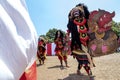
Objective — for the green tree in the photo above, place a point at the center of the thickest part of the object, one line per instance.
(116, 28)
(50, 35)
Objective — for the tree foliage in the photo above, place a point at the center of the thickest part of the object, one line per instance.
(50, 35)
(116, 28)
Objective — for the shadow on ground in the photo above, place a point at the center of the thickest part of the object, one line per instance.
(78, 77)
(57, 66)
(39, 65)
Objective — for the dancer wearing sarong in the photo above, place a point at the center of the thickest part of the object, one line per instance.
(60, 47)
(41, 52)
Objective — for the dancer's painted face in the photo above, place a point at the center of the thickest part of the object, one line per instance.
(58, 34)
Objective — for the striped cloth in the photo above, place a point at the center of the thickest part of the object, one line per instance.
(50, 49)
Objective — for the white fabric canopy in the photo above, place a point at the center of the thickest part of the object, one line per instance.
(18, 39)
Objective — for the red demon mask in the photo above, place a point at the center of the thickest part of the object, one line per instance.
(105, 21)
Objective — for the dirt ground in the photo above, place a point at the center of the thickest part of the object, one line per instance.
(107, 68)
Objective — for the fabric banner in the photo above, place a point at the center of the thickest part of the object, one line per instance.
(53, 48)
(30, 74)
(50, 47)
(18, 40)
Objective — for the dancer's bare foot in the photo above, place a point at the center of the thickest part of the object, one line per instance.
(90, 73)
(61, 65)
(67, 66)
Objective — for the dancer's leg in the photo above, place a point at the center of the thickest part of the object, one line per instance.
(88, 70)
(79, 67)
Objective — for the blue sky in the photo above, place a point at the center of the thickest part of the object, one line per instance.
(49, 14)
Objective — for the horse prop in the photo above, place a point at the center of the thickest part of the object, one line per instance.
(103, 40)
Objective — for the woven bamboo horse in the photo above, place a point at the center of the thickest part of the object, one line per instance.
(77, 26)
(102, 39)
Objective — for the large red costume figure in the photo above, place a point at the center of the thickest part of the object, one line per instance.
(77, 26)
(102, 39)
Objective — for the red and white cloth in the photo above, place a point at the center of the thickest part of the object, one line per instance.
(18, 42)
(50, 47)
